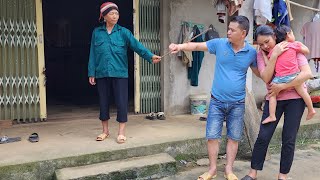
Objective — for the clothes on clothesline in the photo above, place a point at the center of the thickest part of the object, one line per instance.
(221, 10)
(265, 10)
(316, 18)
(311, 33)
(222, 6)
(262, 11)
(280, 13)
(185, 35)
(316, 63)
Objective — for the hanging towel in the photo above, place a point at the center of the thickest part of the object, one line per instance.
(221, 10)
(262, 11)
(233, 6)
(184, 36)
(310, 32)
(197, 56)
(280, 13)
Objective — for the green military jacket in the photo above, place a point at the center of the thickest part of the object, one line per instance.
(108, 52)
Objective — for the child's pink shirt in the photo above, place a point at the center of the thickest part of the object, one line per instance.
(287, 63)
(289, 93)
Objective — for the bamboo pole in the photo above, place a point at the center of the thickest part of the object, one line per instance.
(303, 6)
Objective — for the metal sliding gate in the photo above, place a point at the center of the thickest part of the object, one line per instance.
(149, 36)
(22, 91)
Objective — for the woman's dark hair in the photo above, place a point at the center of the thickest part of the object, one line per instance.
(264, 30)
(281, 33)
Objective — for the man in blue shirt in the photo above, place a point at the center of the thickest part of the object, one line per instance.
(233, 58)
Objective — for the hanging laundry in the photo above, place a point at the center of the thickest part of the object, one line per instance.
(280, 13)
(197, 56)
(233, 6)
(211, 34)
(184, 36)
(262, 11)
(311, 33)
(222, 5)
(221, 10)
(316, 18)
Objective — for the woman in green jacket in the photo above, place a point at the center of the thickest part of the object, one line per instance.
(108, 66)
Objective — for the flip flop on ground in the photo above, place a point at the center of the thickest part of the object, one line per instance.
(102, 137)
(151, 116)
(6, 139)
(34, 137)
(231, 176)
(121, 139)
(161, 116)
(206, 176)
(247, 177)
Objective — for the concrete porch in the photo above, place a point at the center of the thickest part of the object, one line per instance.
(70, 143)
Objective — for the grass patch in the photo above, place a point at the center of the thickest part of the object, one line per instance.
(301, 144)
(317, 148)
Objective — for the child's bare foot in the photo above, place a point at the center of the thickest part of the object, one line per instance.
(269, 119)
(311, 114)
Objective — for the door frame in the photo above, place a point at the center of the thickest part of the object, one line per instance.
(136, 30)
(41, 60)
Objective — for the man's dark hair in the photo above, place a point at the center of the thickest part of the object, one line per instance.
(243, 22)
(281, 33)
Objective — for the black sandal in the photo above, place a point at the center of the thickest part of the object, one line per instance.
(6, 139)
(151, 116)
(248, 178)
(34, 137)
(161, 116)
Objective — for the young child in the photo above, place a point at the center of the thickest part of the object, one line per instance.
(287, 69)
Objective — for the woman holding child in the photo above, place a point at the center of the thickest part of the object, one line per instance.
(288, 102)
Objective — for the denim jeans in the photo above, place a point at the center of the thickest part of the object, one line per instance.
(232, 112)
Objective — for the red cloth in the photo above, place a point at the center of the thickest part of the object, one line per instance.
(315, 99)
(287, 63)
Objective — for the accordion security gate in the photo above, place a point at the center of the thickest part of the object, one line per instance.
(22, 91)
(149, 36)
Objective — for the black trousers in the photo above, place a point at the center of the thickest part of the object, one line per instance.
(293, 110)
(119, 87)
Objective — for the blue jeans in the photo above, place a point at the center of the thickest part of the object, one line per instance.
(232, 112)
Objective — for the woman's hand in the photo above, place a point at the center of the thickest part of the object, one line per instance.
(156, 59)
(92, 81)
(279, 49)
(276, 88)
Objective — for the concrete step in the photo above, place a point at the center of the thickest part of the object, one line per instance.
(145, 167)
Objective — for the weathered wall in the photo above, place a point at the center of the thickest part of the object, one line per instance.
(176, 85)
